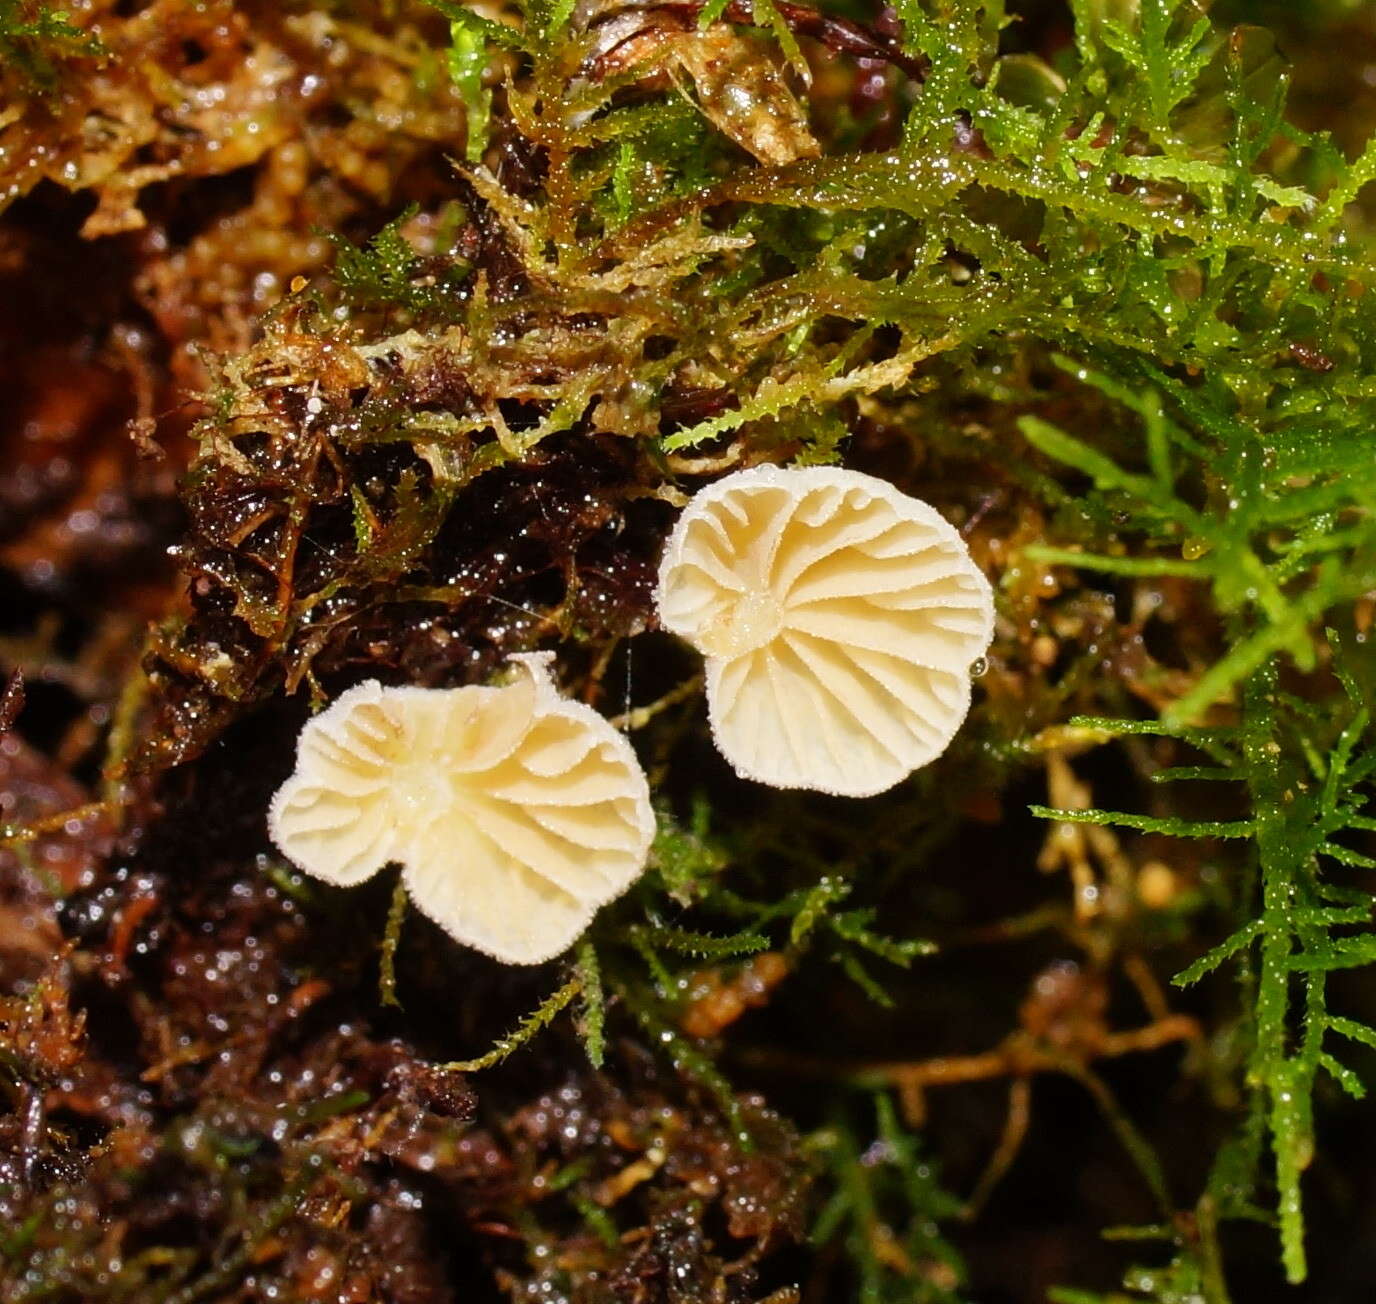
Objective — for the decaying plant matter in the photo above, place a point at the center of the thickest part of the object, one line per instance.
(410, 329)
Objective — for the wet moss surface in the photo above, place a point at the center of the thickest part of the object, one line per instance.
(383, 339)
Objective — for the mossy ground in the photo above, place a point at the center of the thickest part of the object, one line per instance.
(384, 339)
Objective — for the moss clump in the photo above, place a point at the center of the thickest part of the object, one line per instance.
(1073, 276)
(36, 41)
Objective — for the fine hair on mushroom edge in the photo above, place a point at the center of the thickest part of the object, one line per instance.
(514, 812)
(839, 619)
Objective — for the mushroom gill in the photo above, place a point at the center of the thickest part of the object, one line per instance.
(513, 812)
(839, 619)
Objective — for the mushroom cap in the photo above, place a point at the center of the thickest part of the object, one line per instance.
(839, 619)
(514, 812)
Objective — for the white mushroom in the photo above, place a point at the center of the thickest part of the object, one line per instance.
(839, 619)
(514, 813)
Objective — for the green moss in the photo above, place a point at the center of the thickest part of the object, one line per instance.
(37, 42)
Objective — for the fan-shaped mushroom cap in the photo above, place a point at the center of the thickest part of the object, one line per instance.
(514, 812)
(839, 619)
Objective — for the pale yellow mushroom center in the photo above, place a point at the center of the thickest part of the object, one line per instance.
(749, 623)
(430, 785)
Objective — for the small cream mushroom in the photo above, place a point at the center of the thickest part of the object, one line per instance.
(839, 619)
(513, 812)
